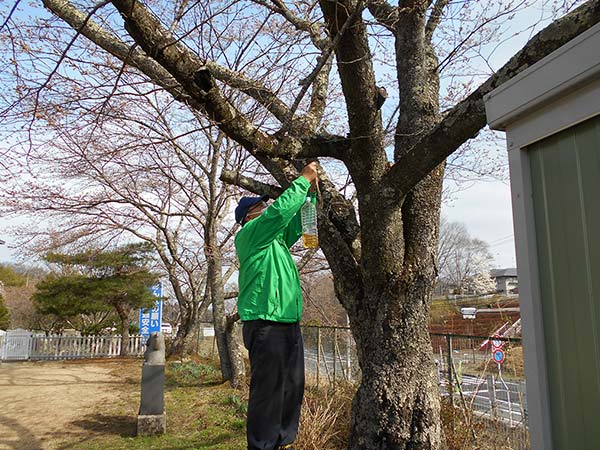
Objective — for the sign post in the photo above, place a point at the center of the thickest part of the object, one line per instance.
(151, 318)
(499, 357)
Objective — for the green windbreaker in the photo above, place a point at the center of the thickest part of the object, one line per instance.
(269, 284)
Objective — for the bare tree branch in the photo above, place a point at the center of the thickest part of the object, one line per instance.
(109, 42)
(467, 118)
(384, 13)
(11, 12)
(237, 179)
(313, 29)
(195, 77)
(435, 18)
(178, 15)
(354, 57)
(319, 77)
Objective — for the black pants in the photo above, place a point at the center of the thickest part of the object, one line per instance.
(276, 383)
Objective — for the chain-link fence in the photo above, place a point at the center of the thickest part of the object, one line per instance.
(467, 370)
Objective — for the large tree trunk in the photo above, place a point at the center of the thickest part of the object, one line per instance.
(397, 404)
(124, 313)
(220, 324)
(236, 354)
(125, 337)
(228, 344)
(186, 336)
(230, 349)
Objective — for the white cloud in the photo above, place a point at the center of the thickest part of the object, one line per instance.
(485, 208)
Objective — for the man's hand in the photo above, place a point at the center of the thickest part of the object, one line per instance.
(310, 172)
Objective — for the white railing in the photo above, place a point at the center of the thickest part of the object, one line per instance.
(73, 347)
(47, 347)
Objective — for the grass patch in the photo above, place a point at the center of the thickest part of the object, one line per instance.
(202, 413)
(441, 310)
(191, 373)
(239, 404)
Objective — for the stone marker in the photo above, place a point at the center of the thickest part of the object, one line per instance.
(152, 418)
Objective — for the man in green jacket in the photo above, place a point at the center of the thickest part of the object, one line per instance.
(270, 306)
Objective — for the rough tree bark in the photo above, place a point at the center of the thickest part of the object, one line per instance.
(124, 314)
(384, 269)
(184, 340)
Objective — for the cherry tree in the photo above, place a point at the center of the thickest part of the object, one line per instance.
(310, 73)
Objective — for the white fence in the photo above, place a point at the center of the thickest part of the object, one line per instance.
(20, 345)
(14, 344)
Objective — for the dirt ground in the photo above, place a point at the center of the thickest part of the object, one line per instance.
(44, 404)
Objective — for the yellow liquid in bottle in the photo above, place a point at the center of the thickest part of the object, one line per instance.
(310, 241)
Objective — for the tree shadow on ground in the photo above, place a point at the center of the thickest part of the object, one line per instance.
(100, 424)
(25, 440)
(124, 426)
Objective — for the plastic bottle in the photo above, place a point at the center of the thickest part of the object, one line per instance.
(308, 213)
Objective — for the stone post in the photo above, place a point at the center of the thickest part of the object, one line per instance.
(152, 418)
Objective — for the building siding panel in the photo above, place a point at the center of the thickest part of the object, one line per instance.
(565, 171)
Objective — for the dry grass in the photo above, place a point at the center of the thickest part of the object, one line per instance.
(465, 431)
(325, 419)
(326, 416)
(514, 365)
(442, 310)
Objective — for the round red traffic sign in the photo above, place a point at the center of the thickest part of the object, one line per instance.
(498, 356)
(497, 343)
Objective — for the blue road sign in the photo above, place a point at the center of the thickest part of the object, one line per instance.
(498, 355)
(151, 318)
